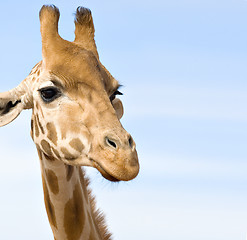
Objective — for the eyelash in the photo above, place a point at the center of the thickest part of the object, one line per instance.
(113, 96)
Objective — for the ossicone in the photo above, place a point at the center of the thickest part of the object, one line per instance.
(84, 29)
(49, 16)
(83, 16)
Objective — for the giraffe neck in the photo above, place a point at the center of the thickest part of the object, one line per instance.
(69, 206)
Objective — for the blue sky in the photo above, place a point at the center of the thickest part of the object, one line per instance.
(183, 67)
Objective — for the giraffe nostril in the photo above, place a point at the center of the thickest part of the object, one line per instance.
(111, 143)
(131, 142)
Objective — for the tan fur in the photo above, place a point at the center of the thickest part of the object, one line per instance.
(39, 124)
(46, 147)
(67, 154)
(76, 144)
(74, 215)
(52, 133)
(84, 30)
(49, 16)
(49, 205)
(52, 181)
(36, 128)
(70, 171)
(55, 152)
(97, 214)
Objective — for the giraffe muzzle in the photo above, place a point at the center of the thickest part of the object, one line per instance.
(116, 157)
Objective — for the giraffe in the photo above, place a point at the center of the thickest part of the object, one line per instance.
(75, 123)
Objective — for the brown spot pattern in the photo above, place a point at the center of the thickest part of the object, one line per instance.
(46, 147)
(77, 144)
(55, 152)
(36, 128)
(52, 181)
(39, 124)
(67, 154)
(49, 158)
(37, 106)
(69, 172)
(52, 133)
(49, 206)
(74, 217)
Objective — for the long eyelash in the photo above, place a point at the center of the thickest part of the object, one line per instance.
(113, 96)
(117, 93)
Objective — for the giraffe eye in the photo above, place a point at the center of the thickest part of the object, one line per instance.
(113, 96)
(49, 94)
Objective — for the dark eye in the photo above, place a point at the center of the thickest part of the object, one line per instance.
(49, 94)
(113, 96)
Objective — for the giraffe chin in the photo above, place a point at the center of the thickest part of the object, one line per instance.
(86, 161)
(83, 160)
(105, 174)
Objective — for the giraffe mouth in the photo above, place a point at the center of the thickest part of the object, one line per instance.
(103, 172)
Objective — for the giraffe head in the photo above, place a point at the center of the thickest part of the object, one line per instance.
(76, 114)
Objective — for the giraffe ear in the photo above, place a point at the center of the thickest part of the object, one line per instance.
(118, 106)
(10, 108)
